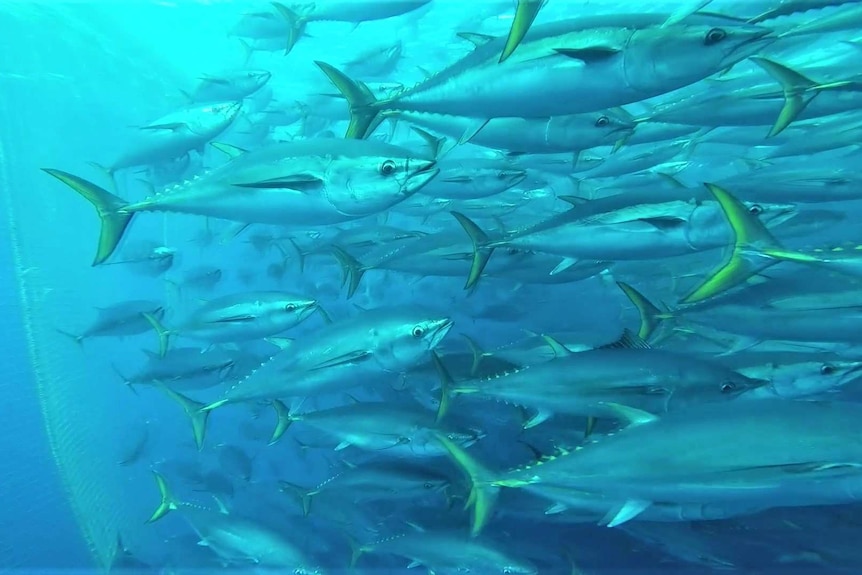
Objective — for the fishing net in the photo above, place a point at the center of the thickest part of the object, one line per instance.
(65, 75)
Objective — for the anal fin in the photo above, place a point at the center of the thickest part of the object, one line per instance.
(629, 510)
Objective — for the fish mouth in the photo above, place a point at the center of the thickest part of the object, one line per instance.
(440, 328)
(753, 384)
(420, 176)
(758, 39)
(233, 109)
(304, 309)
(850, 370)
(514, 177)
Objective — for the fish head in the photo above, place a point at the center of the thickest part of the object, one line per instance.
(475, 180)
(810, 378)
(660, 59)
(215, 117)
(394, 52)
(584, 131)
(288, 309)
(256, 79)
(734, 384)
(839, 373)
(405, 336)
(374, 176)
(425, 442)
(772, 214)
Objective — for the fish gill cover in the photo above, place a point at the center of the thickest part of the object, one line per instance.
(506, 287)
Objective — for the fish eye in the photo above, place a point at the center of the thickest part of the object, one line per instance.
(290, 307)
(428, 485)
(602, 121)
(387, 168)
(714, 36)
(728, 387)
(756, 209)
(501, 175)
(512, 251)
(418, 331)
(827, 369)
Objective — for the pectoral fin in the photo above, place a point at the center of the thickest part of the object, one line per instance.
(664, 223)
(589, 54)
(214, 80)
(300, 182)
(630, 509)
(235, 319)
(351, 357)
(171, 126)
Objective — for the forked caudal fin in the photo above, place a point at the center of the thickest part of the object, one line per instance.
(195, 411)
(162, 332)
(305, 496)
(365, 109)
(754, 249)
(108, 206)
(445, 385)
(282, 421)
(483, 491)
(651, 317)
(295, 25)
(352, 270)
(798, 91)
(481, 252)
(167, 503)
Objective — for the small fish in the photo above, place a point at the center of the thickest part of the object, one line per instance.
(118, 320)
(239, 317)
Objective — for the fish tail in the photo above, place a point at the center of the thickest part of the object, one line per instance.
(364, 107)
(478, 354)
(78, 339)
(356, 551)
(305, 496)
(247, 51)
(175, 290)
(327, 319)
(163, 333)
(295, 25)
(167, 503)
(197, 412)
(283, 420)
(353, 270)
(525, 14)
(445, 385)
(798, 90)
(110, 172)
(435, 144)
(481, 253)
(750, 237)
(125, 379)
(483, 491)
(109, 207)
(651, 317)
(300, 255)
(754, 249)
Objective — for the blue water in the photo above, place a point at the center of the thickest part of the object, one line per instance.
(75, 79)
